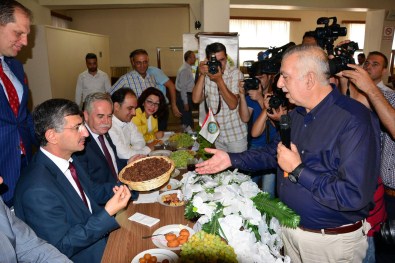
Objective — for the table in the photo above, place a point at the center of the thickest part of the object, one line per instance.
(126, 242)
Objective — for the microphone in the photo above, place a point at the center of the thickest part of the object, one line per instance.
(285, 130)
(285, 133)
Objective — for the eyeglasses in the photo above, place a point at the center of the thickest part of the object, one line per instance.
(152, 104)
(78, 128)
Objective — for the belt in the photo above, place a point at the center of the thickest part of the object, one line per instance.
(389, 191)
(336, 230)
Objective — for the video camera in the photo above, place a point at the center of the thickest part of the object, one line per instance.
(343, 56)
(269, 62)
(327, 35)
(213, 64)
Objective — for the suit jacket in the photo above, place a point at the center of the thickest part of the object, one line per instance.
(94, 162)
(19, 243)
(49, 204)
(11, 128)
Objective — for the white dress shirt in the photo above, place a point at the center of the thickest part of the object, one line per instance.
(88, 83)
(96, 137)
(383, 87)
(64, 167)
(127, 138)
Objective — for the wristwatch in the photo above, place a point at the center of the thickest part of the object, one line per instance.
(294, 175)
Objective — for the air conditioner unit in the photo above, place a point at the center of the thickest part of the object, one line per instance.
(391, 15)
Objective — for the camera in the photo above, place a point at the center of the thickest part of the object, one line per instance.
(329, 33)
(213, 65)
(278, 98)
(251, 84)
(343, 56)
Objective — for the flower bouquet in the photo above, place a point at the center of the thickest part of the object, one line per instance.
(230, 205)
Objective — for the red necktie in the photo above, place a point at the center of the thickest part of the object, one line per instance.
(77, 181)
(12, 98)
(108, 156)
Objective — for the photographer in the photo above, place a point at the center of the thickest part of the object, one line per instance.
(365, 88)
(254, 109)
(217, 86)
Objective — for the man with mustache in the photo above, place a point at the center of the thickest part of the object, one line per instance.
(54, 195)
(99, 158)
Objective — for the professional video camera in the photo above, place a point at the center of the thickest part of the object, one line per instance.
(343, 56)
(213, 64)
(329, 33)
(269, 62)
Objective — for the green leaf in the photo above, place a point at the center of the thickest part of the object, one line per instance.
(273, 207)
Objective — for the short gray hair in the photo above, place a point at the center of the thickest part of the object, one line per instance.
(97, 96)
(311, 58)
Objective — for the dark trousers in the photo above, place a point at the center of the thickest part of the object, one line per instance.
(186, 118)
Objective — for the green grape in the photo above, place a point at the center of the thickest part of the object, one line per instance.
(203, 247)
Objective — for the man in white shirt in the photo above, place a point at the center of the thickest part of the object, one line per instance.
(124, 133)
(185, 82)
(91, 80)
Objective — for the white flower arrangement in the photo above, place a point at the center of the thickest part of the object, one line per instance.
(223, 203)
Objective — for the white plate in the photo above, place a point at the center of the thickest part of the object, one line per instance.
(161, 255)
(167, 135)
(174, 184)
(161, 242)
(160, 153)
(167, 193)
(175, 173)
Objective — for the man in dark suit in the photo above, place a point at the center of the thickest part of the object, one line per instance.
(99, 158)
(19, 243)
(16, 126)
(54, 195)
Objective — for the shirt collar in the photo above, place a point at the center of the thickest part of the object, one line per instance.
(94, 135)
(59, 162)
(325, 103)
(117, 121)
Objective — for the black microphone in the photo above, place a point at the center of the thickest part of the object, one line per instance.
(285, 130)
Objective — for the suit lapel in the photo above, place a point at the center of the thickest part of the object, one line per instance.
(64, 184)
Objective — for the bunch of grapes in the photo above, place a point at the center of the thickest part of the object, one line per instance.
(203, 247)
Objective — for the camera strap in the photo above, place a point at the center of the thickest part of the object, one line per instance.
(205, 102)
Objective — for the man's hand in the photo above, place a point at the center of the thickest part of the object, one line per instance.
(219, 162)
(119, 200)
(288, 159)
(359, 77)
(175, 110)
(276, 115)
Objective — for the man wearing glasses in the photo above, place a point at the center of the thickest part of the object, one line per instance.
(55, 196)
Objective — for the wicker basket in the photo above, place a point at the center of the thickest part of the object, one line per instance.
(149, 184)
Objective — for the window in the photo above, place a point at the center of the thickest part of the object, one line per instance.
(258, 35)
(357, 34)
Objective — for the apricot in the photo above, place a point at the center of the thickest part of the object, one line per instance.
(184, 232)
(170, 237)
(173, 243)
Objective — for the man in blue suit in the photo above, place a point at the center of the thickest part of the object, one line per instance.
(19, 243)
(99, 158)
(54, 195)
(16, 126)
